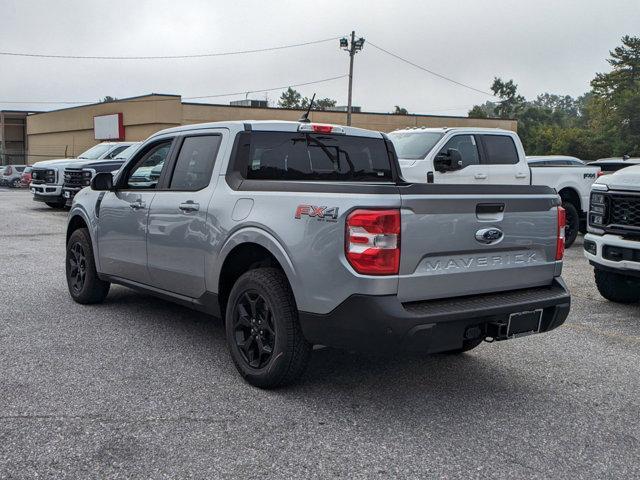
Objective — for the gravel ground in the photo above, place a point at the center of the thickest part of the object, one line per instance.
(141, 388)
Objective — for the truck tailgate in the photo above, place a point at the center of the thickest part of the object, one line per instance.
(459, 240)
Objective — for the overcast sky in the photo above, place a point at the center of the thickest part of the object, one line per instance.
(545, 46)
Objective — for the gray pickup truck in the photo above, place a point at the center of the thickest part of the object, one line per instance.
(300, 234)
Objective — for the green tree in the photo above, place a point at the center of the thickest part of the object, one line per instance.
(615, 107)
(108, 99)
(318, 104)
(511, 103)
(400, 111)
(290, 98)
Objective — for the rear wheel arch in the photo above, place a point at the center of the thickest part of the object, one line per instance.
(572, 196)
(242, 258)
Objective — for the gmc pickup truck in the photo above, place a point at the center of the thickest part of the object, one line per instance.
(612, 245)
(299, 234)
(491, 156)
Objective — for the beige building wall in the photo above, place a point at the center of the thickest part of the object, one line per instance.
(68, 132)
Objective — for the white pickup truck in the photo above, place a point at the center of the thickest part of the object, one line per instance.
(493, 156)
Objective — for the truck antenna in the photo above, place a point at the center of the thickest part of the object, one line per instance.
(305, 116)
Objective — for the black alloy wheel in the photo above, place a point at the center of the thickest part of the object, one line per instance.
(253, 329)
(78, 267)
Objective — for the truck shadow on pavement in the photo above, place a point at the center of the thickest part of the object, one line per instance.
(391, 375)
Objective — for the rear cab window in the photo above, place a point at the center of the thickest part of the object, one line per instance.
(313, 157)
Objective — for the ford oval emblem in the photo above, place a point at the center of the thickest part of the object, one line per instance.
(489, 235)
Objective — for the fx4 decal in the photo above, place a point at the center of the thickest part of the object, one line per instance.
(589, 175)
(321, 213)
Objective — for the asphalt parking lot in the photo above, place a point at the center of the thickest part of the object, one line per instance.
(141, 388)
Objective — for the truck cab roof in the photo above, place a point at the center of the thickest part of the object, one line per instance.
(453, 129)
(272, 125)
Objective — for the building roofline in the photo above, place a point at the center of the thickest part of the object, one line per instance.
(417, 115)
(127, 99)
(27, 112)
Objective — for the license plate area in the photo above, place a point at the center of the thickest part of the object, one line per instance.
(524, 323)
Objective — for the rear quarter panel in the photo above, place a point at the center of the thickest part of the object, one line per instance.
(311, 250)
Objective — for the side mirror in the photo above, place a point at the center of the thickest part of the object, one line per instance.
(102, 181)
(448, 161)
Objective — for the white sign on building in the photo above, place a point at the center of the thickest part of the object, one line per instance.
(108, 127)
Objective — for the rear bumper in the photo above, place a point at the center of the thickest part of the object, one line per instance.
(364, 322)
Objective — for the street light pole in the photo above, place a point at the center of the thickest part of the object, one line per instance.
(353, 47)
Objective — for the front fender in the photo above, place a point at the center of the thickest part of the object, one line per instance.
(80, 210)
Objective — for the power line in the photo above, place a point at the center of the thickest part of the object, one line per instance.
(183, 98)
(439, 75)
(167, 57)
(267, 89)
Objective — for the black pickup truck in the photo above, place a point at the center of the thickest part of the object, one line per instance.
(79, 174)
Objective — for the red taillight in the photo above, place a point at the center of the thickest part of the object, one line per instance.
(372, 244)
(599, 174)
(8, 170)
(562, 223)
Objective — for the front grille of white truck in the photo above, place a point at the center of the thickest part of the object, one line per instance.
(625, 210)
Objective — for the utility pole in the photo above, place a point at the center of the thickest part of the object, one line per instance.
(352, 47)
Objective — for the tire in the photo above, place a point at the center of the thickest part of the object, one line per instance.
(466, 346)
(263, 333)
(16, 183)
(82, 279)
(54, 204)
(617, 287)
(573, 223)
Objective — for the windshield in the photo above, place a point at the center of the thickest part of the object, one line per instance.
(127, 152)
(414, 145)
(96, 152)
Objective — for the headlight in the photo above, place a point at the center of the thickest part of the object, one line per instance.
(86, 174)
(598, 209)
(51, 172)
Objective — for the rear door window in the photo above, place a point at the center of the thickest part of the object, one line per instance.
(195, 161)
(499, 150)
(306, 156)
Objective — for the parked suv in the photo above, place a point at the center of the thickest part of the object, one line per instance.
(79, 174)
(613, 242)
(491, 156)
(300, 234)
(11, 175)
(47, 177)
